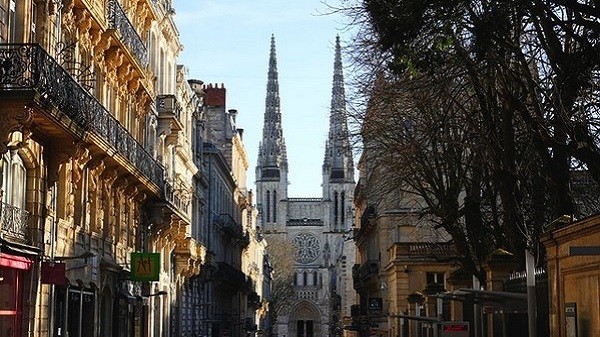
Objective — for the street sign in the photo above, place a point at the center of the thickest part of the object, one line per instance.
(145, 266)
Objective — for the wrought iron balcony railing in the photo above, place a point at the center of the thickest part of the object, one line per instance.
(179, 202)
(28, 67)
(14, 222)
(369, 269)
(226, 222)
(117, 19)
(228, 273)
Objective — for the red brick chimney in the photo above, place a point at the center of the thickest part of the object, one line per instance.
(215, 95)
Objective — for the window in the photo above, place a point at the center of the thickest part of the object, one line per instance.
(335, 210)
(7, 21)
(433, 277)
(342, 208)
(14, 179)
(268, 206)
(274, 206)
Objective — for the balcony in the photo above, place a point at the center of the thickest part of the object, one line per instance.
(27, 68)
(28, 73)
(230, 275)
(178, 200)
(367, 223)
(369, 269)
(117, 20)
(14, 223)
(229, 225)
(440, 251)
(169, 110)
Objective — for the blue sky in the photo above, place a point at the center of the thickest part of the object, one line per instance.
(227, 41)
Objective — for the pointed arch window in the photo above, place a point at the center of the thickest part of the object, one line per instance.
(274, 206)
(335, 210)
(342, 208)
(268, 206)
(304, 278)
(315, 278)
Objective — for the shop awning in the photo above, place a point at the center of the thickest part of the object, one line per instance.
(18, 248)
(15, 261)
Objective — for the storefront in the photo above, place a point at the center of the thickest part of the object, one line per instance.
(15, 272)
(74, 311)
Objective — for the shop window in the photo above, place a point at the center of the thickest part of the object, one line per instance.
(75, 307)
(10, 306)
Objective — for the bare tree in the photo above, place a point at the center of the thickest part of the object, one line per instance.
(281, 255)
(502, 99)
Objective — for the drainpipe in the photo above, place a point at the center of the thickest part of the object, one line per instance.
(53, 225)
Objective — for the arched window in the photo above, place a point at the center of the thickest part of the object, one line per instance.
(274, 206)
(315, 278)
(304, 278)
(342, 208)
(14, 180)
(335, 210)
(268, 206)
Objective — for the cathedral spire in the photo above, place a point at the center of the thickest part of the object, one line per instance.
(272, 156)
(338, 163)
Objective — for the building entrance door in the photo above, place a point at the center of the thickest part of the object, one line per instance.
(305, 328)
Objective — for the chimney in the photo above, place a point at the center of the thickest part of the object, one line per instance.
(215, 95)
(233, 115)
(196, 86)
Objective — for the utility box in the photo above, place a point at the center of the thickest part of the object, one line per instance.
(453, 329)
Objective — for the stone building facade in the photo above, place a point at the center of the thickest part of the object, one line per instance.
(316, 227)
(111, 156)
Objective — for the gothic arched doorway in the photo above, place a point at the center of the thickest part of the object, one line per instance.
(304, 320)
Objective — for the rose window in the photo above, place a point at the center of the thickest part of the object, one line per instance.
(307, 248)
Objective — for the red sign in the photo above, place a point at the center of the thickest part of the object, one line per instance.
(53, 273)
(455, 327)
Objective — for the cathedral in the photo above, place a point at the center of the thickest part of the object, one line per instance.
(317, 228)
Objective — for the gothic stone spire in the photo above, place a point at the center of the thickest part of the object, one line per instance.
(338, 152)
(272, 152)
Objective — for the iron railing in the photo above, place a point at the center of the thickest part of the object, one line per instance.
(30, 67)
(117, 19)
(228, 273)
(226, 222)
(14, 221)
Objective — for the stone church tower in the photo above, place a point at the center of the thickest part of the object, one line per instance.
(318, 228)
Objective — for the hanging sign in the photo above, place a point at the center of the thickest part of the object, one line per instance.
(145, 266)
(53, 273)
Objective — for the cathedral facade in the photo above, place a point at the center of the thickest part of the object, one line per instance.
(318, 229)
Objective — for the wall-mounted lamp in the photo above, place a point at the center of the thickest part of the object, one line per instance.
(406, 270)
